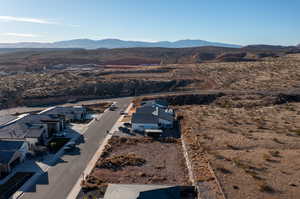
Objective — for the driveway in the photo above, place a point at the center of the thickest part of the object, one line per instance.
(60, 179)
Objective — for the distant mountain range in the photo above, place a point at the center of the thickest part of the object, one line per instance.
(115, 43)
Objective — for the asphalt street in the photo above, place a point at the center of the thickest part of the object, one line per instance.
(60, 179)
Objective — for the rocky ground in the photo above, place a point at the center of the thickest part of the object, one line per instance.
(251, 144)
(36, 88)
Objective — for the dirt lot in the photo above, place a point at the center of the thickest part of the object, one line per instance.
(140, 161)
(98, 108)
(252, 145)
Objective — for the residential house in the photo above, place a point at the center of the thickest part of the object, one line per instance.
(11, 154)
(53, 123)
(142, 121)
(37, 134)
(68, 113)
(33, 134)
(165, 116)
(37, 129)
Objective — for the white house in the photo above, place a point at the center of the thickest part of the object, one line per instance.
(69, 113)
(142, 121)
(165, 116)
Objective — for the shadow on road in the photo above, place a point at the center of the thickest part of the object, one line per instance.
(75, 151)
(42, 180)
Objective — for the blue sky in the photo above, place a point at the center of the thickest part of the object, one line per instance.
(232, 21)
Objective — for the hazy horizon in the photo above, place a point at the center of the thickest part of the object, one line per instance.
(141, 41)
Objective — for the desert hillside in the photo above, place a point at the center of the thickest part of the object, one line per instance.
(41, 59)
(85, 81)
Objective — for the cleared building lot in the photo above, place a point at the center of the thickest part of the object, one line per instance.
(128, 160)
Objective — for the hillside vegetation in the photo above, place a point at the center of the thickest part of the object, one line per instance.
(37, 59)
(60, 85)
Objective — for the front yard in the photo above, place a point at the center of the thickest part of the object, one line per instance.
(97, 108)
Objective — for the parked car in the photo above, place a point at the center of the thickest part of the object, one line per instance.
(123, 113)
(127, 124)
(63, 134)
(124, 129)
(112, 108)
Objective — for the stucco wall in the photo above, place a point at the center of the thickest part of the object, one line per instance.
(165, 123)
(141, 126)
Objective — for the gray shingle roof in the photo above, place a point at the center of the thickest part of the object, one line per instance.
(144, 118)
(6, 118)
(15, 130)
(6, 156)
(162, 114)
(146, 109)
(63, 110)
(36, 118)
(8, 149)
(10, 145)
(34, 133)
(24, 126)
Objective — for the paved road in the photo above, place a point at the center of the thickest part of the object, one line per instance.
(28, 109)
(60, 179)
